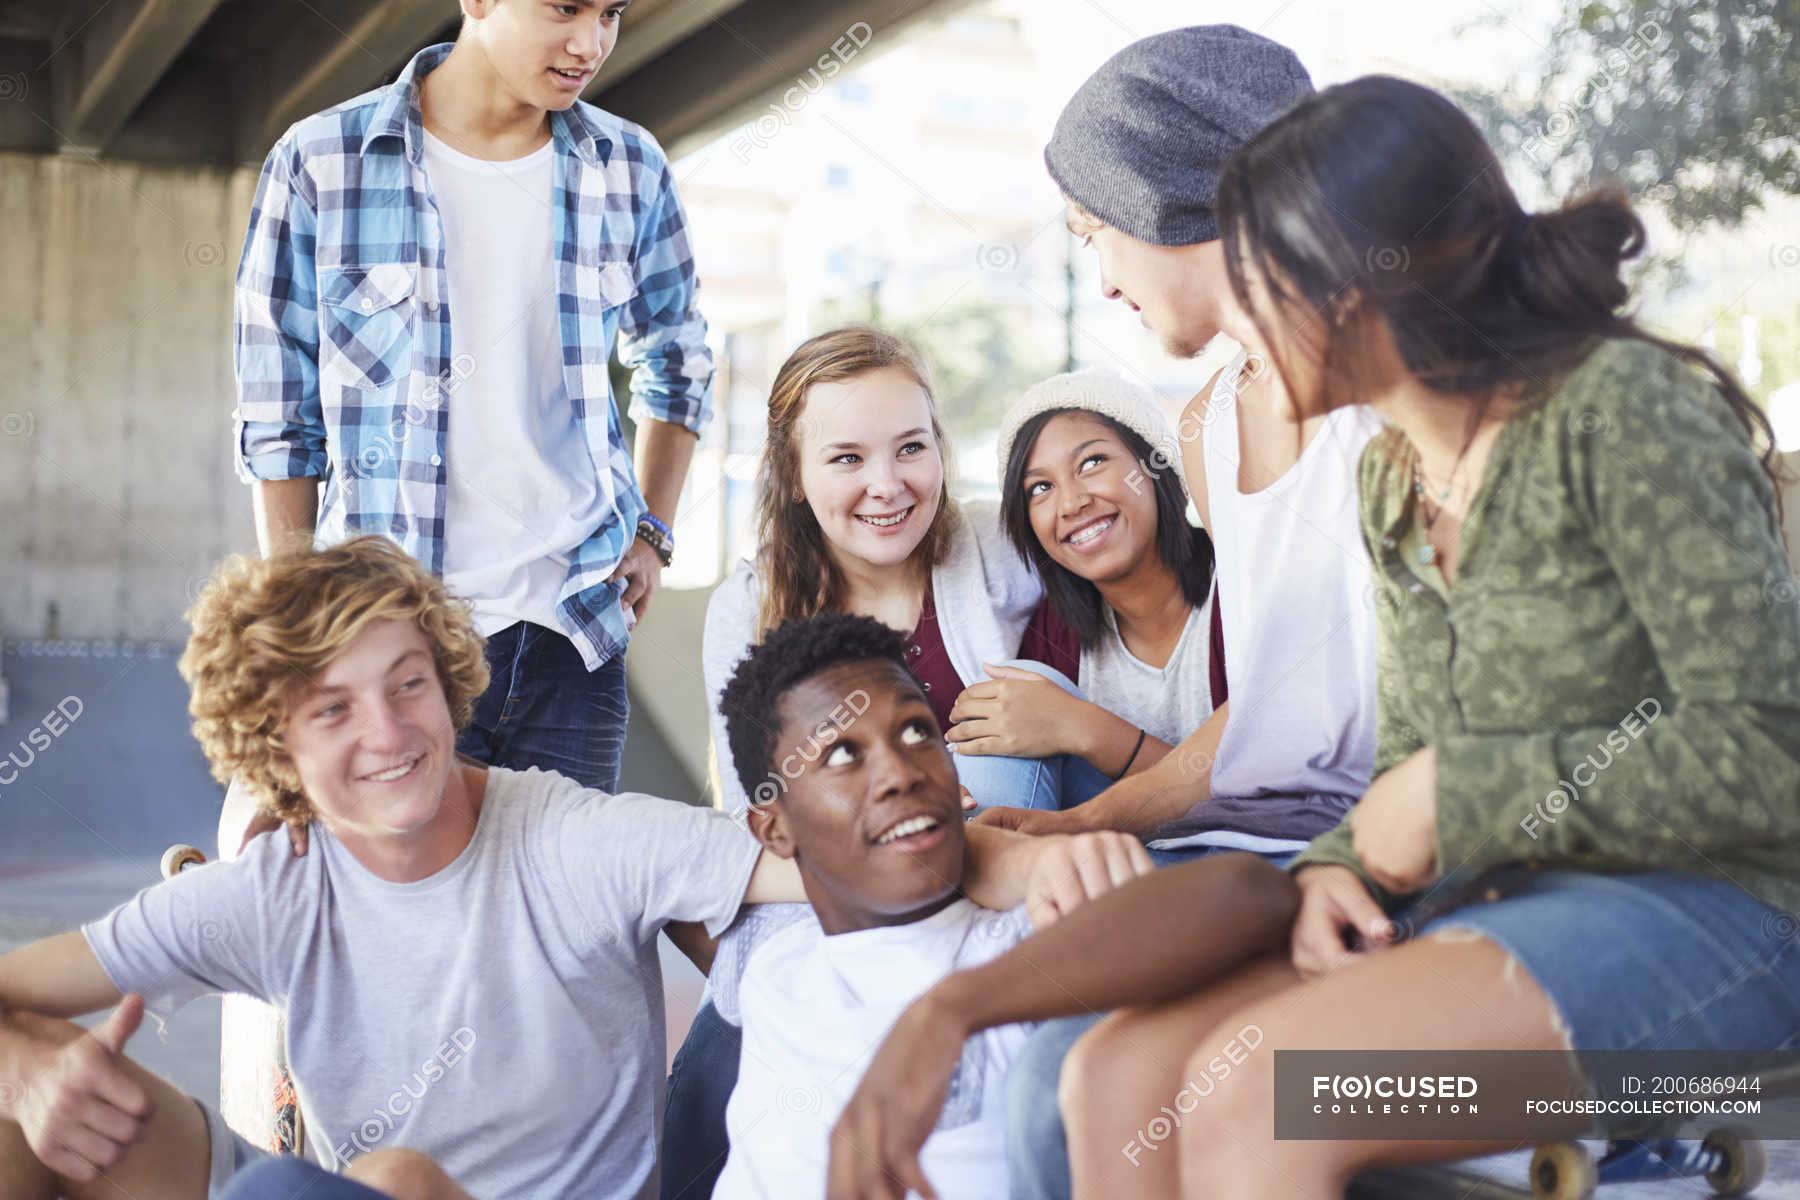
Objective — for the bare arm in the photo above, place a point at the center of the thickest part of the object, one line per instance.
(996, 868)
(1107, 738)
(286, 511)
(55, 977)
(1051, 876)
(1193, 446)
(1147, 800)
(1018, 712)
(80, 1104)
(1139, 945)
(663, 453)
(1143, 801)
(775, 880)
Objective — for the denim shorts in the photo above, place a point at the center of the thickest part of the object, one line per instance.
(1656, 960)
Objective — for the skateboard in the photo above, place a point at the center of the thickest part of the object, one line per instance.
(1731, 1160)
(256, 1093)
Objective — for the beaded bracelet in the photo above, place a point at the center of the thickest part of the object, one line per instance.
(655, 534)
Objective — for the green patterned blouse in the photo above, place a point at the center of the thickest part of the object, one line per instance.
(1613, 683)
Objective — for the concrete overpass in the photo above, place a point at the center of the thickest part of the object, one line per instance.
(130, 135)
(217, 81)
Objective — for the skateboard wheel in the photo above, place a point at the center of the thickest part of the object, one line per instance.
(1563, 1171)
(1744, 1161)
(177, 858)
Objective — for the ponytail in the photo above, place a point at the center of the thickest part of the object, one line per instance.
(1566, 263)
(1566, 266)
(1478, 295)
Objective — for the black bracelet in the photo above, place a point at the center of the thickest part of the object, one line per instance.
(659, 542)
(1133, 758)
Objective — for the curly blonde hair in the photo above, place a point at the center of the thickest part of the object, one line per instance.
(262, 628)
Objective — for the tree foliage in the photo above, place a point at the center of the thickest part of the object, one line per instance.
(1693, 106)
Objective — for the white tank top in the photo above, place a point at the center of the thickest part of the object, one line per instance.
(1296, 602)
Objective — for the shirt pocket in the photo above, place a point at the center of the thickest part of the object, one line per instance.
(600, 286)
(366, 318)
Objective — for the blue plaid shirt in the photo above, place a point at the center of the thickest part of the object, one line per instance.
(344, 366)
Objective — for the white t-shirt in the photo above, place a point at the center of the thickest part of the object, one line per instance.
(523, 491)
(816, 1009)
(504, 1015)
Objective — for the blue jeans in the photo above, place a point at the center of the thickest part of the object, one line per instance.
(543, 708)
(700, 1082)
(289, 1178)
(1058, 781)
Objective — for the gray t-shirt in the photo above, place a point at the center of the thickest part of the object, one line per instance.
(504, 1015)
(1170, 701)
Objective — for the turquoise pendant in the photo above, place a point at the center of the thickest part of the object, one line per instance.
(1427, 554)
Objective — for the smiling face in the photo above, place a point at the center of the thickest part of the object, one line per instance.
(544, 52)
(870, 467)
(372, 740)
(1173, 289)
(872, 816)
(1092, 507)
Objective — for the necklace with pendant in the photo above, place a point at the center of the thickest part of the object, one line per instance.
(1428, 552)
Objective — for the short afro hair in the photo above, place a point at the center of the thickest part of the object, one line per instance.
(793, 652)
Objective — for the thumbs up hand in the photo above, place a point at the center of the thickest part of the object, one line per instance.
(82, 1110)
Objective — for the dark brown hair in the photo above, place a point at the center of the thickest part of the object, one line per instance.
(1186, 550)
(1380, 198)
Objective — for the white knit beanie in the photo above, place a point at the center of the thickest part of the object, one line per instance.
(1106, 394)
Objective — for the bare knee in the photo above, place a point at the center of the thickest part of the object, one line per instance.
(1231, 1073)
(404, 1175)
(1106, 1066)
(1227, 1101)
(1086, 1070)
(1229, 1134)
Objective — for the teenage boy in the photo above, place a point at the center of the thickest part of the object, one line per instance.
(466, 959)
(875, 826)
(434, 275)
(1137, 154)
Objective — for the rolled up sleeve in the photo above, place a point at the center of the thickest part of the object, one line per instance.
(280, 421)
(662, 336)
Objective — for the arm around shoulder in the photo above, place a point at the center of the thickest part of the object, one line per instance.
(56, 976)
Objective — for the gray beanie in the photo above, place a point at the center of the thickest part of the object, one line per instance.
(1141, 143)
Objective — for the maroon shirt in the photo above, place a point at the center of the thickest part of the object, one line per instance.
(930, 661)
